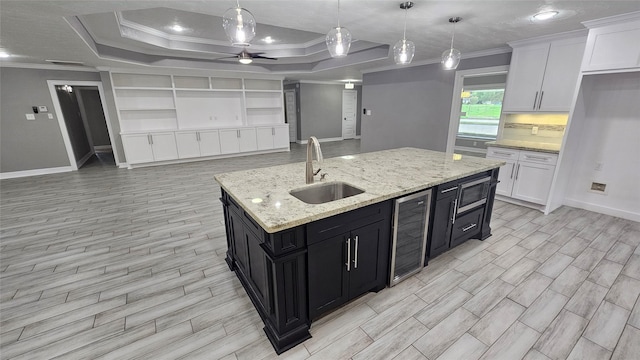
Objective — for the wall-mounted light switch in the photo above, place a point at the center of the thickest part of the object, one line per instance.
(534, 130)
(43, 108)
(50, 115)
(30, 116)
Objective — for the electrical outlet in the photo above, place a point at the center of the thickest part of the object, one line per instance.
(534, 130)
(50, 115)
(598, 188)
(30, 116)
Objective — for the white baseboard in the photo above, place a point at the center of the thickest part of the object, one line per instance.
(35, 172)
(84, 159)
(123, 165)
(629, 215)
(102, 148)
(304, 142)
(357, 137)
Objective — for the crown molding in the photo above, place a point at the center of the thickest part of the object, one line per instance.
(549, 38)
(47, 67)
(612, 20)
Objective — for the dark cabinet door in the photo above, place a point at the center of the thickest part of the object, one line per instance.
(441, 230)
(365, 272)
(240, 254)
(327, 274)
(257, 272)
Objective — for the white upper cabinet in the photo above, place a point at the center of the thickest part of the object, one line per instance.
(542, 76)
(613, 44)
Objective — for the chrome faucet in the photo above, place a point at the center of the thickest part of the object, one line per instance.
(312, 143)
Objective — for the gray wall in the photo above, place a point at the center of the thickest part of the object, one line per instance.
(75, 125)
(320, 110)
(412, 106)
(89, 100)
(36, 144)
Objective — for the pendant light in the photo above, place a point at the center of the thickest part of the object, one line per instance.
(239, 25)
(404, 49)
(338, 39)
(451, 57)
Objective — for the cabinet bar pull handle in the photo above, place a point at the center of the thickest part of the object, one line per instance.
(537, 157)
(540, 103)
(535, 101)
(237, 133)
(455, 207)
(348, 263)
(512, 169)
(517, 171)
(151, 137)
(466, 228)
(355, 260)
(502, 153)
(273, 131)
(450, 189)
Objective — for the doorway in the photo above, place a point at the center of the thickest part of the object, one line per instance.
(349, 113)
(291, 112)
(84, 121)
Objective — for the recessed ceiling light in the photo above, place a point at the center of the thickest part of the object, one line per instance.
(268, 40)
(545, 15)
(4, 54)
(177, 28)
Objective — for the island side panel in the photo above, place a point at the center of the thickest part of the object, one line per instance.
(486, 223)
(273, 271)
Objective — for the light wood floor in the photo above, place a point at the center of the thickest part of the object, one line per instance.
(117, 264)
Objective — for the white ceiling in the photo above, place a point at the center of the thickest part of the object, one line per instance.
(92, 32)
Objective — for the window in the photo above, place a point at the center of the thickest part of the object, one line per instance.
(480, 112)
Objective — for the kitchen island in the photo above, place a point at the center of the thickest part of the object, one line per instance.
(297, 260)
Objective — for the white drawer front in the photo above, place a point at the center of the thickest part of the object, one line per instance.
(502, 153)
(538, 157)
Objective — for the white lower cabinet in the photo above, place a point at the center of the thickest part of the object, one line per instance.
(526, 176)
(193, 144)
(140, 148)
(238, 140)
(189, 144)
(272, 137)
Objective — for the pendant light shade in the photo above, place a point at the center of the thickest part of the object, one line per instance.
(239, 25)
(338, 39)
(451, 57)
(404, 49)
(403, 52)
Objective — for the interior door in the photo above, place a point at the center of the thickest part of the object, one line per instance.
(349, 108)
(291, 113)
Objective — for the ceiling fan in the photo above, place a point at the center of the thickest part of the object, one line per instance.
(245, 57)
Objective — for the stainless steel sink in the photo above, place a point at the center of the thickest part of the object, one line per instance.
(326, 192)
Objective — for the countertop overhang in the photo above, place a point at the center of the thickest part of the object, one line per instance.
(264, 193)
(526, 145)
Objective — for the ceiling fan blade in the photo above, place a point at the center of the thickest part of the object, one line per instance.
(255, 56)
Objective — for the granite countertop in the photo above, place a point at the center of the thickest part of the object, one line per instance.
(264, 193)
(526, 145)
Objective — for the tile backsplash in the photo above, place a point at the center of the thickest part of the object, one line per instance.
(550, 127)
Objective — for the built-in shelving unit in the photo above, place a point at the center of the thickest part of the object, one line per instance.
(148, 104)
